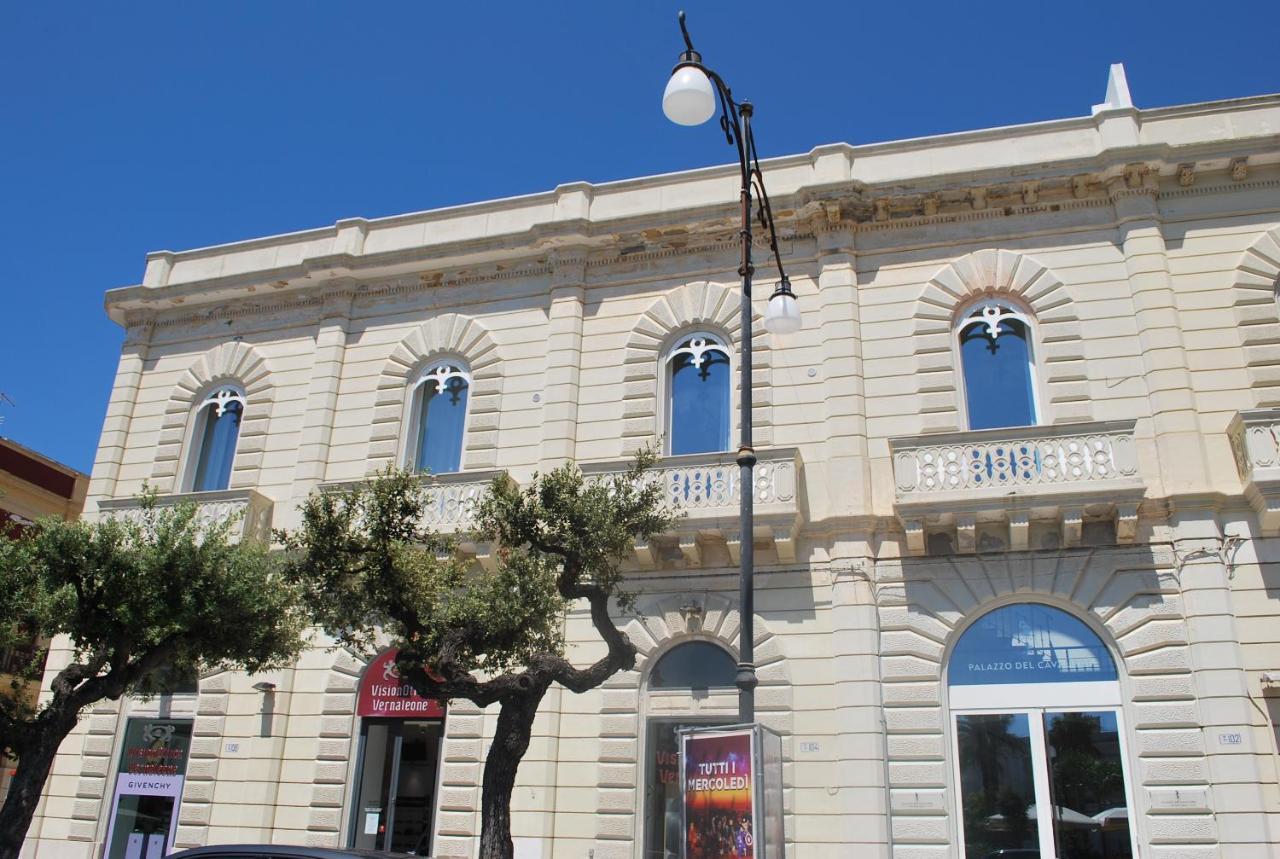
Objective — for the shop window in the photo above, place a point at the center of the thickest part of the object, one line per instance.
(438, 418)
(1038, 738)
(698, 391)
(216, 432)
(998, 366)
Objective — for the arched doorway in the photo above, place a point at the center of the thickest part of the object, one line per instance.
(690, 684)
(1038, 738)
(397, 764)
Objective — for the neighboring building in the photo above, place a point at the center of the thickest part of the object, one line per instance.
(31, 486)
(1018, 507)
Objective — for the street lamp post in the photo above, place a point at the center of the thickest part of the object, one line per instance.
(691, 98)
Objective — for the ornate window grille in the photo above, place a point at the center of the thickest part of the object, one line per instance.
(217, 432)
(439, 418)
(698, 395)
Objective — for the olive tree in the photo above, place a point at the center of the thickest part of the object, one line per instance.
(490, 636)
(135, 598)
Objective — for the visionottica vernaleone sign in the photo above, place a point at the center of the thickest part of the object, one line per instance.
(384, 694)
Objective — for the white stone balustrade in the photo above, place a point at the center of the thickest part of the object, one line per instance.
(1018, 474)
(452, 498)
(1255, 442)
(251, 510)
(706, 488)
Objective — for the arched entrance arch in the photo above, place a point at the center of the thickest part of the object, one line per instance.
(1037, 737)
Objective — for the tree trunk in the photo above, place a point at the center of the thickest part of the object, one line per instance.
(34, 763)
(510, 742)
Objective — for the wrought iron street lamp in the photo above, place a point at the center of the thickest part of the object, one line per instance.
(691, 98)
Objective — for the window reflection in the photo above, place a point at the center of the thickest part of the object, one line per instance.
(218, 430)
(1029, 643)
(694, 665)
(698, 420)
(995, 353)
(441, 419)
(997, 787)
(1086, 779)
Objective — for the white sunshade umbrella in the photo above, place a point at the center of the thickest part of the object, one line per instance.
(1113, 818)
(1065, 817)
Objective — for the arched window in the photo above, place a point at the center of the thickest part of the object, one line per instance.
(698, 390)
(694, 665)
(216, 431)
(438, 418)
(1038, 737)
(998, 366)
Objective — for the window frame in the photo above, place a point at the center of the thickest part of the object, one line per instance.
(194, 444)
(1012, 309)
(454, 366)
(720, 342)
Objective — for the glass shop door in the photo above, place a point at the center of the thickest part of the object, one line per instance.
(396, 787)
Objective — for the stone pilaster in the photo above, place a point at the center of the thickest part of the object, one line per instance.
(1177, 429)
(1221, 686)
(860, 739)
(124, 395)
(564, 354)
(846, 473)
(322, 393)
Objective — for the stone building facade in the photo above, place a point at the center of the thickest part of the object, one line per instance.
(1123, 525)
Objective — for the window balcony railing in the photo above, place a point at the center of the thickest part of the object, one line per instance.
(251, 510)
(706, 488)
(1255, 442)
(452, 497)
(1017, 474)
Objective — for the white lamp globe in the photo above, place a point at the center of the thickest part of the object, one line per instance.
(783, 313)
(688, 98)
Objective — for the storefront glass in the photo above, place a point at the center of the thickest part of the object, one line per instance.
(395, 804)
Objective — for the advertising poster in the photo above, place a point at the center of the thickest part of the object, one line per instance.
(719, 801)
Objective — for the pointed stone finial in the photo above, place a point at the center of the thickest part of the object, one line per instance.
(1117, 97)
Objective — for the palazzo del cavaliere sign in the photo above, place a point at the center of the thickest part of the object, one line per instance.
(384, 694)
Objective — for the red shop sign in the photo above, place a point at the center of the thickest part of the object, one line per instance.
(383, 693)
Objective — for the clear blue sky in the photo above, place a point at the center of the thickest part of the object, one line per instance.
(131, 127)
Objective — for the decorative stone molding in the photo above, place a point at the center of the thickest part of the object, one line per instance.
(1129, 596)
(1253, 298)
(695, 305)
(1255, 442)
(659, 623)
(236, 362)
(993, 273)
(450, 334)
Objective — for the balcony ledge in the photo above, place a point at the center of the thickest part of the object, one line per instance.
(1255, 442)
(254, 509)
(704, 487)
(1068, 475)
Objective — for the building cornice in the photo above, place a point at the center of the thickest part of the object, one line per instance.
(875, 186)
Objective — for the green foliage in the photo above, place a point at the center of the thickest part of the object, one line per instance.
(371, 567)
(138, 597)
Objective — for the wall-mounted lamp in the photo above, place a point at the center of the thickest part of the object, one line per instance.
(265, 686)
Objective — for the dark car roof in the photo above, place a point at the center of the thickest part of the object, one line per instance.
(286, 851)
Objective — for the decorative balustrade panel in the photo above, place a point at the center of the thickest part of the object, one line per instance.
(250, 512)
(984, 463)
(715, 487)
(1255, 441)
(452, 505)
